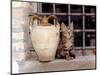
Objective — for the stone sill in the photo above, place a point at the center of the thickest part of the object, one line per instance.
(78, 52)
(81, 62)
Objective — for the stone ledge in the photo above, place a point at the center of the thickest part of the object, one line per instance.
(81, 62)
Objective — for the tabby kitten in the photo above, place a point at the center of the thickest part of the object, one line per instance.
(66, 42)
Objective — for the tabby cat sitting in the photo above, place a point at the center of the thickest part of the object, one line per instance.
(66, 42)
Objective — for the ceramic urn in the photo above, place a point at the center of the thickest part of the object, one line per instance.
(45, 37)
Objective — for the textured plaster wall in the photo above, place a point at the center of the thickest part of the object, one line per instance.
(21, 42)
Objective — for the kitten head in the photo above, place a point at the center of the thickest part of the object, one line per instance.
(67, 35)
(65, 28)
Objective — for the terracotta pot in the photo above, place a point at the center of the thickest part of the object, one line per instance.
(45, 38)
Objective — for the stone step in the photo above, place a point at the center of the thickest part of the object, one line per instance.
(81, 62)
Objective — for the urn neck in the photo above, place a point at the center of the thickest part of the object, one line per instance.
(44, 21)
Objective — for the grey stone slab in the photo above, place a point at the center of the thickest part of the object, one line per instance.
(81, 62)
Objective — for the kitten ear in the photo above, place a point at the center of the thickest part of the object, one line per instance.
(62, 24)
(63, 27)
(71, 25)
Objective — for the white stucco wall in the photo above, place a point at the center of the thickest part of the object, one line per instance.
(21, 42)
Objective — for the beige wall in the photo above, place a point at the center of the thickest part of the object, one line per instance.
(21, 42)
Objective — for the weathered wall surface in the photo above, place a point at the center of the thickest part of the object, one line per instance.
(21, 42)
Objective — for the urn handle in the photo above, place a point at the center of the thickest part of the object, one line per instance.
(57, 23)
(53, 17)
(43, 20)
(32, 21)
